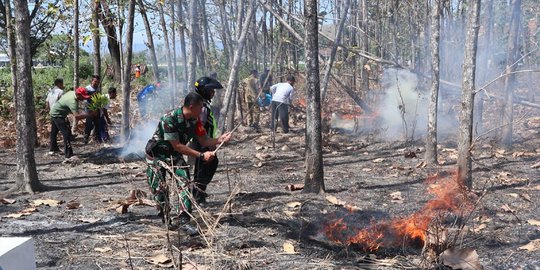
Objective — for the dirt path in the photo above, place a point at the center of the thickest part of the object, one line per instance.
(267, 226)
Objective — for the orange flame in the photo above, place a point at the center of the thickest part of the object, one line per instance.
(449, 198)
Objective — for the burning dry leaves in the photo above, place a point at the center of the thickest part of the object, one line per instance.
(465, 259)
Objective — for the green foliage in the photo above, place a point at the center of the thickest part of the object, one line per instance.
(99, 101)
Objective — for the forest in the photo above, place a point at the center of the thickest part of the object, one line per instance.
(414, 138)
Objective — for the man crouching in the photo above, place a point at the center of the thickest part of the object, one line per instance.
(175, 129)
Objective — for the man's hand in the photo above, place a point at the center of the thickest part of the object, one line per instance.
(225, 137)
(208, 156)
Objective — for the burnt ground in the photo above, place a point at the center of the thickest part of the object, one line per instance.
(264, 219)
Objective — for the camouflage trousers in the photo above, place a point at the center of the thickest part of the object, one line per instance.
(161, 190)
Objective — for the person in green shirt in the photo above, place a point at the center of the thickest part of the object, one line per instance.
(67, 104)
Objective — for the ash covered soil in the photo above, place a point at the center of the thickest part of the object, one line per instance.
(262, 225)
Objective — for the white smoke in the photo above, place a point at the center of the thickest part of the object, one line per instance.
(403, 108)
(139, 137)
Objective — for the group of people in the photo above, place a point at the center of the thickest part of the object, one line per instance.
(189, 130)
(258, 93)
(61, 105)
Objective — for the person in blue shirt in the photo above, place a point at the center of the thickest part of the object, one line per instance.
(144, 95)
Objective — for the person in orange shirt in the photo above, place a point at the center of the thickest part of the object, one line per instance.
(137, 71)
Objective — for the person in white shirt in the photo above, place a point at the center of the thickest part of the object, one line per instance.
(282, 95)
(54, 93)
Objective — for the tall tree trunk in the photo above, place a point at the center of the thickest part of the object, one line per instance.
(11, 47)
(150, 41)
(96, 39)
(181, 32)
(173, 40)
(479, 97)
(26, 177)
(75, 44)
(193, 37)
(168, 50)
(365, 47)
(339, 33)
(509, 81)
(227, 41)
(107, 20)
(431, 138)
(126, 82)
(229, 100)
(314, 180)
(206, 31)
(467, 95)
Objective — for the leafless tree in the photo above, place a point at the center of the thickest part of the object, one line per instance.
(509, 80)
(126, 82)
(150, 39)
(339, 33)
(467, 94)
(167, 46)
(96, 6)
(193, 37)
(431, 139)
(108, 21)
(75, 43)
(228, 108)
(314, 180)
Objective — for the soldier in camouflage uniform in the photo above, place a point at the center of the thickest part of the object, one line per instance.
(205, 170)
(175, 129)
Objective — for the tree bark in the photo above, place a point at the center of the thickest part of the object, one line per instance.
(226, 33)
(479, 97)
(150, 41)
(467, 95)
(11, 47)
(96, 39)
(509, 81)
(314, 180)
(126, 82)
(75, 44)
(193, 37)
(107, 20)
(229, 100)
(339, 33)
(181, 33)
(173, 41)
(365, 47)
(431, 138)
(26, 177)
(357, 99)
(168, 49)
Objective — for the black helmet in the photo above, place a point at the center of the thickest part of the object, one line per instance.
(204, 85)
